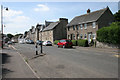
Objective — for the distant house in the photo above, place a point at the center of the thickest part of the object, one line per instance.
(85, 26)
(55, 30)
(31, 34)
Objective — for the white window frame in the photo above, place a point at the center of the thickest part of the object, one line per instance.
(86, 36)
(94, 24)
(93, 36)
(80, 36)
(85, 26)
(81, 26)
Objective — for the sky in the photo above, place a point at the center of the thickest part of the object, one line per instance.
(21, 16)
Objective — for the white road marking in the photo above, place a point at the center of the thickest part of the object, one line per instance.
(26, 63)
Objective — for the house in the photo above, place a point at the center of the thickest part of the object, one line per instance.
(31, 34)
(85, 26)
(55, 30)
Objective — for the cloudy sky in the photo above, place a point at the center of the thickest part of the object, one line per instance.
(22, 15)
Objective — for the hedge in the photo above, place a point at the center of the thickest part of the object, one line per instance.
(74, 42)
(83, 43)
(109, 34)
(56, 41)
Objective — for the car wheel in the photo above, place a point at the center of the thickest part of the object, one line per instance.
(63, 46)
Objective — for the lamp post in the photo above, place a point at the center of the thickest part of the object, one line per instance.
(2, 23)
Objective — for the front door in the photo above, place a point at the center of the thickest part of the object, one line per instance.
(89, 37)
(71, 36)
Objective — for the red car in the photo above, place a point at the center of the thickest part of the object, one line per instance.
(64, 43)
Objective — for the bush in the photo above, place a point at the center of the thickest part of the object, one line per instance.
(109, 34)
(74, 42)
(83, 43)
(56, 41)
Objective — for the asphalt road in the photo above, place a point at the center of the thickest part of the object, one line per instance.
(70, 63)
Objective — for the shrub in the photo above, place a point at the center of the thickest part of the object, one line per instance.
(83, 43)
(109, 34)
(74, 42)
(56, 41)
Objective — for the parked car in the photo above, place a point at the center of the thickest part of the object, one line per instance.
(29, 42)
(47, 43)
(9, 42)
(39, 42)
(64, 43)
(21, 42)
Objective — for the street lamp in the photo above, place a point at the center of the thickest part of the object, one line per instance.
(2, 23)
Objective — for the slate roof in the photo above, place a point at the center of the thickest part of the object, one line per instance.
(89, 17)
(51, 26)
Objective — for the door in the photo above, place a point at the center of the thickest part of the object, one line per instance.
(89, 37)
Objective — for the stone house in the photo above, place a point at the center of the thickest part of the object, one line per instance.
(55, 30)
(85, 26)
(31, 34)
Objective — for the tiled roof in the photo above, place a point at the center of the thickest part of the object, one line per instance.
(51, 26)
(89, 17)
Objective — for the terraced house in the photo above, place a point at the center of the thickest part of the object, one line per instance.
(55, 30)
(85, 26)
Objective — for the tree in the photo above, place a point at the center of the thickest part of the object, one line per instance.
(10, 36)
(117, 16)
(18, 34)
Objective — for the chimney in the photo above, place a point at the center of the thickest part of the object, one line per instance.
(88, 11)
(63, 19)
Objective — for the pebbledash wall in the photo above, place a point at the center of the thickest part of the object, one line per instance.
(106, 45)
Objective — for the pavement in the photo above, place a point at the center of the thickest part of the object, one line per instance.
(13, 65)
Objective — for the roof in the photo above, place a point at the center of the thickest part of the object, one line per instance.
(89, 17)
(51, 26)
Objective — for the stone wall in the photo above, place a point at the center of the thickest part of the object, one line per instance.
(106, 45)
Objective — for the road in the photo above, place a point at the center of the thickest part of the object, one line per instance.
(70, 63)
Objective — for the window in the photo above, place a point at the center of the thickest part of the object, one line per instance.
(94, 36)
(77, 27)
(68, 36)
(77, 36)
(85, 37)
(73, 27)
(73, 36)
(68, 28)
(81, 36)
(85, 26)
(93, 24)
(81, 26)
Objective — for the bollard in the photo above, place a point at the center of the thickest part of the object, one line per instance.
(36, 49)
(41, 48)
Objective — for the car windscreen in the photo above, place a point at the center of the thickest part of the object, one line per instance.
(68, 40)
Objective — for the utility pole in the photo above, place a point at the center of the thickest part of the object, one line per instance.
(2, 23)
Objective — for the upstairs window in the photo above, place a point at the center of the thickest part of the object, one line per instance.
(68, 28)
(81, 26)
(73, 27)
(94, 24)
(85, 26)
(77, 27)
